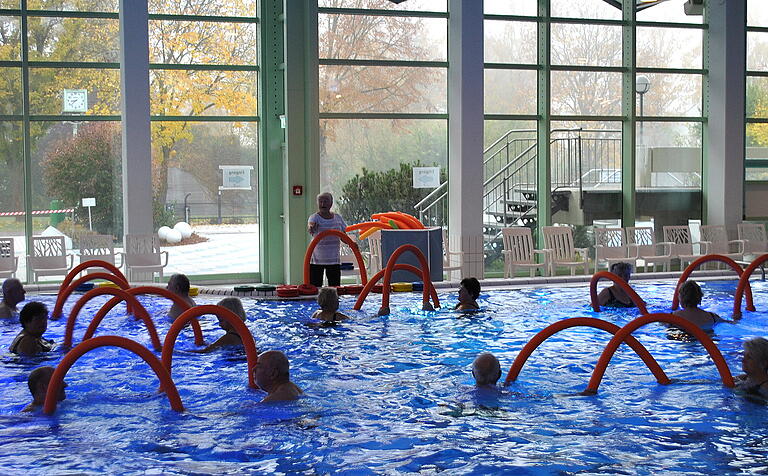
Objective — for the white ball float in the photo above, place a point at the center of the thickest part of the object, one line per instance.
(173, 236)
(162, 232)
(183, 228)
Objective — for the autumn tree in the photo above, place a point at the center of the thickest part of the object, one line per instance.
(180, 92)
(366, 89)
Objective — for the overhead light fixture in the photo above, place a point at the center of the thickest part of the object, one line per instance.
(397, 1)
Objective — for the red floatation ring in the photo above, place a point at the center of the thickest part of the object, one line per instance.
(288, 290)
(307, 289)
(354, 289)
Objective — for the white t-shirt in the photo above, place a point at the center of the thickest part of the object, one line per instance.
(327, 251)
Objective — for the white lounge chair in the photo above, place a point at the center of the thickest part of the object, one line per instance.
(452, 260)
(49, 257)
(100, 247)
(648, 251)
(346, 255)
(9, 262)
(754, 238)
(682, 244)
(562, 252)
(374, 253)
(716, 238)
(611, 247)
(519, 252)
(142, 256)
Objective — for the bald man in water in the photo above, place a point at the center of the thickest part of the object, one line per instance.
(272, 374)
(13, 294)
(486, 369)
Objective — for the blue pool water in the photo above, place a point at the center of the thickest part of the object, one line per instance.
(393, 395)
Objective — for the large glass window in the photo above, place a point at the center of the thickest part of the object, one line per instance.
(203, 101)
(756, 140)
(383, 104)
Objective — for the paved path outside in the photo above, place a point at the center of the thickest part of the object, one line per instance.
(229, 249)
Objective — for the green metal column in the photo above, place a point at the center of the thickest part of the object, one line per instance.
(544, 126)
(271, 143)
(628, 123)
(27, 145)
(301, 162)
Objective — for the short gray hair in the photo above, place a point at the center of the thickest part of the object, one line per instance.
(327, 297)
(758, 347)
(235, 305)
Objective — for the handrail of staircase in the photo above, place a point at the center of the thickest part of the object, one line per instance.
(432, 193)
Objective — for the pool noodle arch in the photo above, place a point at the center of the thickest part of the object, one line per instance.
(223, 313)
(705, 259)
(153, 290)
(73, 355)
(621, 283)
(558, 326)
(391, 262)
(94, 263)
(621, 335)
(141, 313)
(346, 239)
(63, 295)
(744, 281)
(398, 267)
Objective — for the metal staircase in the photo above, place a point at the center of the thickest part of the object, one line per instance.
(580, 159)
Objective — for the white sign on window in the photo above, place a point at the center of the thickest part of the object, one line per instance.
(426, 177)
(89, 202)
(235, 177)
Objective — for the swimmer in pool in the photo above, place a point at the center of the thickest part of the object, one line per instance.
(231, 337)
(34, 322)
(38, 386)
(486, 369)
(690, 297)
(614, 296)
(13, 294)
(469, 291)
(754, 363)
(328, 300)
(272, 374)
(179, 284)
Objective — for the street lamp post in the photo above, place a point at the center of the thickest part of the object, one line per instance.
(642, 85)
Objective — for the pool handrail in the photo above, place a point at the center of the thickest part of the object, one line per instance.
(57, 379)
(558, 326)
(141, 313)
(398, 267)
(65, 293)
(346, 239)
(633, 296)
(93, 263)
(156, 291)
(677, 321)
(251, 354)
(744, 281)
(705, 259)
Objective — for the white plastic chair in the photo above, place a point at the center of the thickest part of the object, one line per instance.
(49, 257)
(716, 238)
(519, 252)
(347, 256)
(611, 247)
(562, 252)
(9, 262)
(142, 255)
(754, 238)
(374, 250)
(642, 238)
(682, 244)
(449, 263)
(100, 247)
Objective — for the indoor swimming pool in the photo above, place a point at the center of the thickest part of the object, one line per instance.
(395, 394)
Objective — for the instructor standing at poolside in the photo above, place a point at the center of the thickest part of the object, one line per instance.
(325, 257)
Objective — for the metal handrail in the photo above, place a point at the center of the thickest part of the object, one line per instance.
(433, 192)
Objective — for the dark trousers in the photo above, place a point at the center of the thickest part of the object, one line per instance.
(332, 271)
